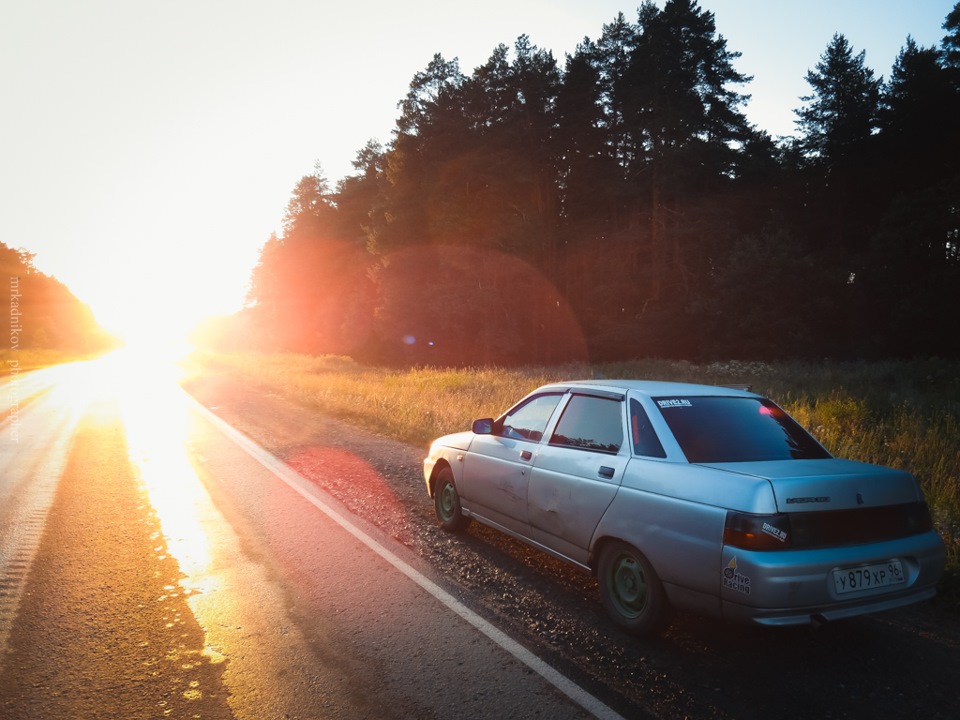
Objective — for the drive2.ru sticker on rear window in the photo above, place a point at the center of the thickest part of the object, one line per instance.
(674, 403)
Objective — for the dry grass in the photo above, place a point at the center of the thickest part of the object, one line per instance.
(414, 405)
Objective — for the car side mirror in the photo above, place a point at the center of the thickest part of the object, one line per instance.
(483, 427)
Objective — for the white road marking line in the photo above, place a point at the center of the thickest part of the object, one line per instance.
(302, 486)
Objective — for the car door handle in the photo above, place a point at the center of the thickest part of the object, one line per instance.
(525, 454)
(606, 472)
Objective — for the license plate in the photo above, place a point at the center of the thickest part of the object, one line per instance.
(868, 577)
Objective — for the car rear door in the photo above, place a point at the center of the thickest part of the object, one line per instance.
(577, 473)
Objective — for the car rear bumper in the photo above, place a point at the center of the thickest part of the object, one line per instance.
(818, 615)
(795, 587)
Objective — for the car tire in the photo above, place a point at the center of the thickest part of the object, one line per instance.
(630, 590)
(446, 501)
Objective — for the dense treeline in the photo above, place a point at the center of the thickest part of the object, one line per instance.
(41, 313)
(623, 206)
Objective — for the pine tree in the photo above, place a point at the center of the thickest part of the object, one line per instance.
(841, 115)
(951, 41)
(682, 113)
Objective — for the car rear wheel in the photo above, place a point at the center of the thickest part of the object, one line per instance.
(630, 590)
(446, 501)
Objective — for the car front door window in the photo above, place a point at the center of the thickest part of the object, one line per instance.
(528, 421)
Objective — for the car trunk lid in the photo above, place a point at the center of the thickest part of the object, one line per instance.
(830, 484)
(833, 502)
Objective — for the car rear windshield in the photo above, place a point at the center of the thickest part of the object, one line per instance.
(736, 429)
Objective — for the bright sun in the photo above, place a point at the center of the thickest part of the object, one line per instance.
(155, 325)
(155, 336)
(153, 293)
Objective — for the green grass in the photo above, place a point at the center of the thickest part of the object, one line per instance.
(902, 414)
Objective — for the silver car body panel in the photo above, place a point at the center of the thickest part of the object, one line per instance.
(681, 539)
(568, 501)
(701, 485)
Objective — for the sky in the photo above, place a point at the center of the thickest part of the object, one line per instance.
(148, 149)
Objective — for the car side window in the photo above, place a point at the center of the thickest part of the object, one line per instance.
(590, 423)
(528, 421)
(645, 440)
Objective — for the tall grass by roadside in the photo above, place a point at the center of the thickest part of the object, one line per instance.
(901, 414)
(414, 405)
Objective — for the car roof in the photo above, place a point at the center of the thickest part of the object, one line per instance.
(654, 388)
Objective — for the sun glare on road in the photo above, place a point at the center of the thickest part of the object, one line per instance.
(156, 424)
(225, 591)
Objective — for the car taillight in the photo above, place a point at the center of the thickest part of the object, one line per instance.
(757, 532)
(917, 519)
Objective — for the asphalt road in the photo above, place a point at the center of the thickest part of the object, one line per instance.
(155, 563)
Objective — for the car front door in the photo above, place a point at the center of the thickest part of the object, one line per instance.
(496, 471)
(577, 474)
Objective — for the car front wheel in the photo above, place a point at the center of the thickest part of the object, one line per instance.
(630, 590)
(446, 501)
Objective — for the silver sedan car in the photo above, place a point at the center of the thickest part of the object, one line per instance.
(709, 499)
